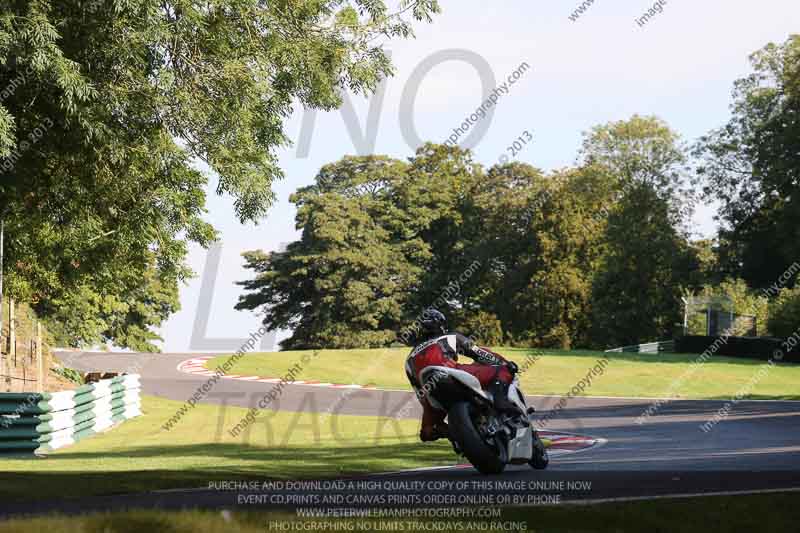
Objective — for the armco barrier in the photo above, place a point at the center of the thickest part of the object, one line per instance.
(40, 423)
(651, 347)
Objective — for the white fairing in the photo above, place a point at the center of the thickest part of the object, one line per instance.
(514, 395)
(521, 446)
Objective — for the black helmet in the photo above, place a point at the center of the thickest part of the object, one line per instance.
(433, 323)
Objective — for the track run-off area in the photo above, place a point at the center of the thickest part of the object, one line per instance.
(600, 449)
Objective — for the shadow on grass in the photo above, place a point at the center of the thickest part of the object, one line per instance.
(256, 463)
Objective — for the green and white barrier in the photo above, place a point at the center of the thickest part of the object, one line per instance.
(41, 423)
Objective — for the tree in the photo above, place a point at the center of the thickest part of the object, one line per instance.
(643, 151)
(345, 283)
(637, 290)
(543, 294)
(751, 166)
(105, 107)
(707, 252)
(647, 260)
(484, 327)
(593, 255)
(784, 313)
(382, 240)
(437, 202)
(498, 215)
(509, 254)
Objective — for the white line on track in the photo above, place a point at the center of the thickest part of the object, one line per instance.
(196, 366)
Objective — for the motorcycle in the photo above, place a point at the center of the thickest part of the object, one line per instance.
(488, 438)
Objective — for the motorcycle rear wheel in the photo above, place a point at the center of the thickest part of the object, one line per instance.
(484, 457)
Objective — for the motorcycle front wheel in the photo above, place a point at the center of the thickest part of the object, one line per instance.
(487, 454)
(540, 458)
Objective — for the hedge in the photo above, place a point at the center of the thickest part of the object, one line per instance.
(761, 348)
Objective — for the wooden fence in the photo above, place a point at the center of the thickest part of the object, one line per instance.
(25, 360)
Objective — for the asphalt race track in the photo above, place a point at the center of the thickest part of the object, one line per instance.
(756, 447)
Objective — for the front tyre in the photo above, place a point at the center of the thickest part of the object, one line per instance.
(539, 458)
(485, 454)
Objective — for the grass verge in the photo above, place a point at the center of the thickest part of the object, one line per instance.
(775, 512)
(553, 373)
(140, 456)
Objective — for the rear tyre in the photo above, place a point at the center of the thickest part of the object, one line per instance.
(485, 457)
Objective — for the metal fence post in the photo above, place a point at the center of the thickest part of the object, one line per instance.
(39, 359)
(12, 330)
(12, 342)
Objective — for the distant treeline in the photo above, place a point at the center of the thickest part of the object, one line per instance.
(595, 255)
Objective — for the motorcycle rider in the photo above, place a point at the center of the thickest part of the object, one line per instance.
(436, 347)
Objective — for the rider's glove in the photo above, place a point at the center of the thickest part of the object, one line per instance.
(512, 367)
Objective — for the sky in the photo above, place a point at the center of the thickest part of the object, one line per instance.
(604, 66)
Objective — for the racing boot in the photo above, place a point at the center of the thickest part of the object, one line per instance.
(434, 432)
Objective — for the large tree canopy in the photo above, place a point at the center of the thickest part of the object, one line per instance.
(106, 106)
(371, 227)
(752, 166)
(509, 254)
(344, 283)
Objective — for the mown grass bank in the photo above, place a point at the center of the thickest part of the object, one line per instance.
(140, 455)
(552, 372)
